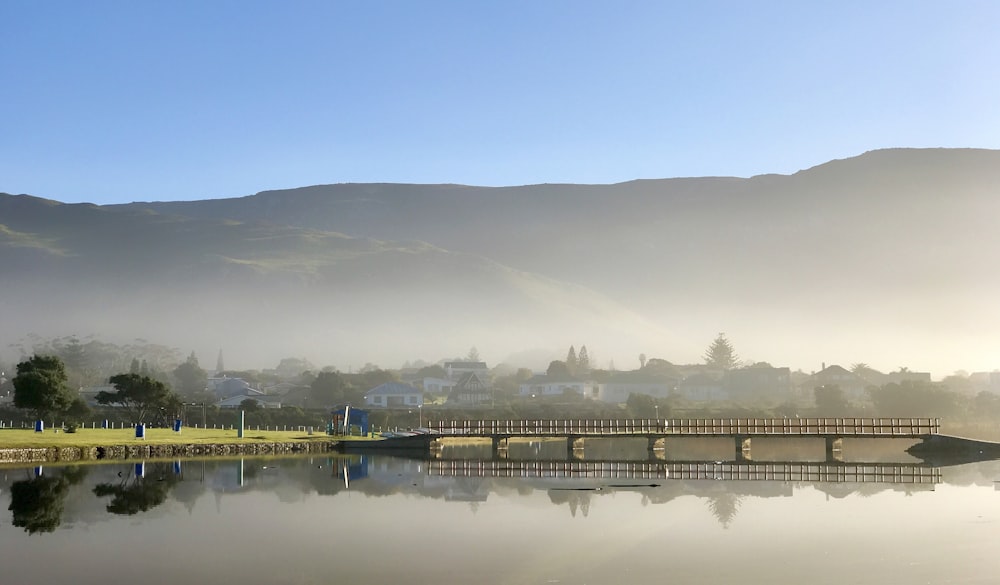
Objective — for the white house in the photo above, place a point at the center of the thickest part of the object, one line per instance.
(618, 392)
(439, 386)
(394, 395)
(543, 385)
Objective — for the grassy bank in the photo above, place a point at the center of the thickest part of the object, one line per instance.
(87, 438)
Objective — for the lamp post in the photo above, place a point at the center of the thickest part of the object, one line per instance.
(420, 415)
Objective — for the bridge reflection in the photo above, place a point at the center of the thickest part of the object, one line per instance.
(725, 471)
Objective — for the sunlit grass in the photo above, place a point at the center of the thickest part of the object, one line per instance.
(84, 438)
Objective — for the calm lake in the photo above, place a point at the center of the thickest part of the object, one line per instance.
(609, 516)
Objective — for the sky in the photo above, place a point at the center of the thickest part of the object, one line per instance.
(118, 101)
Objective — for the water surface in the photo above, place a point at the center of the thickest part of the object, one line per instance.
(382, 519)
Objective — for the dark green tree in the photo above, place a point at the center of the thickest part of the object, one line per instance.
(641, 405)
(138, 395)
(831, 401)
(191, 379)
(435, 371)
(913, 398)
(559, 370)
(720, 354)
(327, 389)
(583, 360)
(571, 361)
(40, 386)
(249, 405)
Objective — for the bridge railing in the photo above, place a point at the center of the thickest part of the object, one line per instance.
(844, 427)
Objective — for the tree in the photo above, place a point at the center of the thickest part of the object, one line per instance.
(134, 494)
(249, 405)
(327, 389)
(642, 360)
(720, 354)
(138, 395)
(40, 386)
(473, 355)
(191, 379)
(37, 504)
(583, 360)
(913, 398)
(831, 400)
(571, 361)
(434, 371)
(641, 405)
(559, 370)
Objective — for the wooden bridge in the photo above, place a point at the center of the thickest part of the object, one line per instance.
(720, 427)
(742, 430)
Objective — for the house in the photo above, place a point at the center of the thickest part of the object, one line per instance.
(394, 395)
(225, 387)
(620, 385)
(757, 383)
(701, 388)
(455, 370)
(438, 386)
(852, 385)
(545, 385)
(471, 390)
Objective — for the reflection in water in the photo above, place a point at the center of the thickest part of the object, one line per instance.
(37, 503)
(140, 490)
(341, 517)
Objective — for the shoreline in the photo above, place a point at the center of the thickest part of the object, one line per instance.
(72, 454)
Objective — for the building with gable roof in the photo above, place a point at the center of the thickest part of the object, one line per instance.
(394, 395)
(471, 390)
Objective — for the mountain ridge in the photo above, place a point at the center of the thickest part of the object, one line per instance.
(892, 242)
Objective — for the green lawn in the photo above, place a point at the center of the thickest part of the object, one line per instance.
(105, 437)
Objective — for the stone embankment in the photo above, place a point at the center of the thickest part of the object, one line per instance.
(64, 454)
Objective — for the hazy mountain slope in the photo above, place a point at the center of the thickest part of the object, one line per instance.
(264, 291)
(885, 258)
(863, 214)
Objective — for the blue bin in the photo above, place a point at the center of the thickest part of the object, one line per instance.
(140, 431)
(104, 424)
(177, 425)
(39, 426)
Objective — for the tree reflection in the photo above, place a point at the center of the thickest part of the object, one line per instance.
(724, 507)
(37, 503)
(577, 500)
(138, 493)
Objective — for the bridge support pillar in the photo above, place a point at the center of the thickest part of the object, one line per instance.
(651, 445)
(499, 447)
(834, 449)
(743, 448)
(574, 448)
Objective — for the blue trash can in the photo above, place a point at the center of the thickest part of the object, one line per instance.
(177, 425)
(39, 426)
(140, 431)
(104, 424)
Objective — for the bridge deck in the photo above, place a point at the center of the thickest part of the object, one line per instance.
(722, 427)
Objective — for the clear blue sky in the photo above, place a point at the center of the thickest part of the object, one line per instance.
(128, 100)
